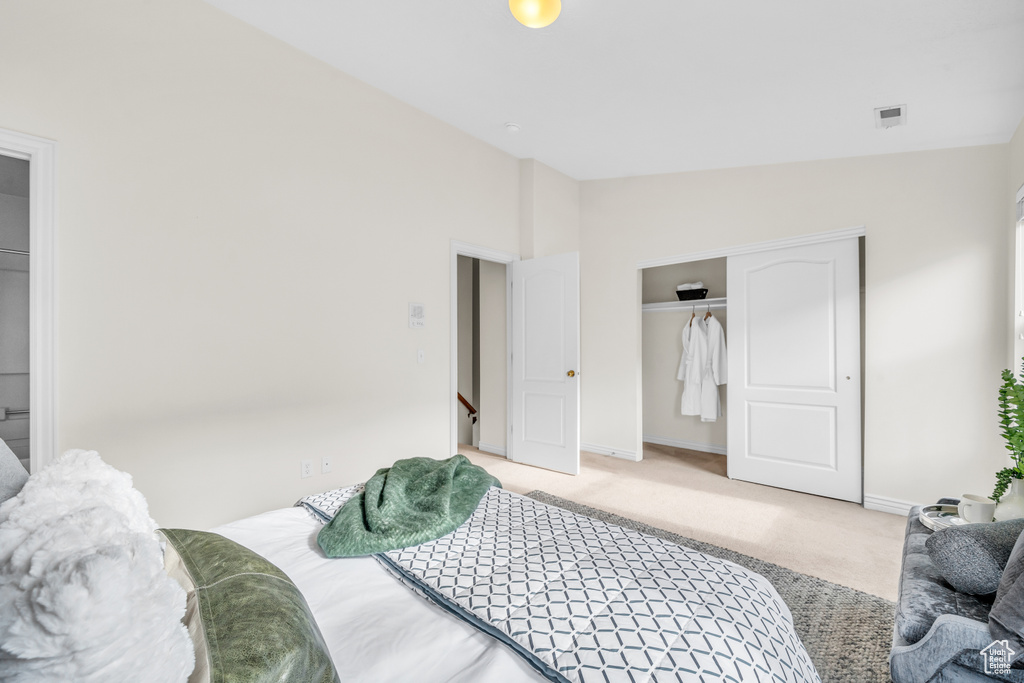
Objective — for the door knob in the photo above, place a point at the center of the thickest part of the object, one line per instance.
(571, 373)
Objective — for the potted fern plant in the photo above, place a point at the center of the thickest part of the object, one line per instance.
(1011, 419)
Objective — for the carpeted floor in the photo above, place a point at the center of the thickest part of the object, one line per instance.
(847, 632)
(688, 493)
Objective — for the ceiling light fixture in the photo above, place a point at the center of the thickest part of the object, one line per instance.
(512, 127)
(535, 13)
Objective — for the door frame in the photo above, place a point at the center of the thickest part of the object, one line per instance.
(485, 254)
(42, 157)
(767, 245)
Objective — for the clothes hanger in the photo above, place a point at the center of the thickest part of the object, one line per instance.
(708, 314)
(693, 313)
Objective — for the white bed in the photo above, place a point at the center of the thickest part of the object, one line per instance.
(375, 628)
(522, 582)
(520, 592)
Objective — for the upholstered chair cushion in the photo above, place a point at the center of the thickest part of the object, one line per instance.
(1006, 620)
(971, 557)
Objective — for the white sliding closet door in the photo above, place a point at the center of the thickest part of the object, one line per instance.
(794, 369)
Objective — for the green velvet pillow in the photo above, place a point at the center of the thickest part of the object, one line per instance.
(256, 624)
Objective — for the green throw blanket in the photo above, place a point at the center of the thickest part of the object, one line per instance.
(412, 502)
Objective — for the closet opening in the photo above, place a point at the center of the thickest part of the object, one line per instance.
(666, 320)
(763, 377)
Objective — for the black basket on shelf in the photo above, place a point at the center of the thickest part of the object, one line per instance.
(691, 294)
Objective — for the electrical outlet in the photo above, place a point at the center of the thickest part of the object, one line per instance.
(325, 464)
(307, 469)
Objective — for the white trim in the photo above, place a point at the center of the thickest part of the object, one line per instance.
(605, 450)
(491, 448)
(487, 254)
(42, 157)
(814, 238)
(890, 505)
(689, 445)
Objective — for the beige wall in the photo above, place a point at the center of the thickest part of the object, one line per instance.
(662, 347)
(493, 366)
(225, 204)
(936, 294)
(549, 211)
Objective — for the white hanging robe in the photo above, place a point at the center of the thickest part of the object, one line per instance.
(715, 370)
(691, 365)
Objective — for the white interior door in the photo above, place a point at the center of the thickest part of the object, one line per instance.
(545, 429)
(794, 369)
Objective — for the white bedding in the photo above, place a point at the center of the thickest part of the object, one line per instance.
(376, 629)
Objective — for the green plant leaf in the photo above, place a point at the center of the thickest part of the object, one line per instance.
(1003, 478)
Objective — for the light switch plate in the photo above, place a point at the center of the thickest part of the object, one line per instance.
(325, 464)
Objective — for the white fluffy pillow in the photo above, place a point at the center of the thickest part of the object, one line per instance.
(83, 593)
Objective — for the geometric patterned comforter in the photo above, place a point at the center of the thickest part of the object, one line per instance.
(587, 601)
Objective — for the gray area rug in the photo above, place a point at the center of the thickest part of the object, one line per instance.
(847, 633)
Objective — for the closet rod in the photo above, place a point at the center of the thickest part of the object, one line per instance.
(14, 251)
(697, 305)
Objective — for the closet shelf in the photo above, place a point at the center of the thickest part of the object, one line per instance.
(696, 304)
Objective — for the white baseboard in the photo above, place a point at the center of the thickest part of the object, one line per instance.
(890, 505)
(492, 449)
(614, 452)
(689, 445)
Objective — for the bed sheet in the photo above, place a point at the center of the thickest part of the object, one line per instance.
(375, 628)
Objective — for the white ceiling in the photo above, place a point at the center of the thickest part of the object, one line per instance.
(632, 87)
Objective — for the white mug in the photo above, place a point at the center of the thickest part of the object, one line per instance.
(974, 509)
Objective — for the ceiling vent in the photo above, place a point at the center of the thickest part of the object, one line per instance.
(887, 117)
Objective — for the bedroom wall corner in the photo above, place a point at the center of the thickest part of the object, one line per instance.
(549, 210)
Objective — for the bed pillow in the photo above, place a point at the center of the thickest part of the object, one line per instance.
(83, 593)
(12, 473)
(971, 557)
(255, 626)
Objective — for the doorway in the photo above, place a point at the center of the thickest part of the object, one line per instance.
(541, 356)
(16, 151)
(482, 352)
(15, 417)
(461, 429)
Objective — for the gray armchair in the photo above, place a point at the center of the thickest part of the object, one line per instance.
(939, 633)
